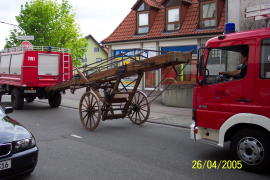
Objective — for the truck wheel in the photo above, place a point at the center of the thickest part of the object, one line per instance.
(55, 99)
(252, 148)
(17, 99)
(30, 99)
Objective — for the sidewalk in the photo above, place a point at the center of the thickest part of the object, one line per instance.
(159, 113)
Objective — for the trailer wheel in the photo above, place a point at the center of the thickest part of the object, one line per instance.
(252, 148)
(17, 99)
(55, 99)
(30, 99)
(90, 110)
(139, 108)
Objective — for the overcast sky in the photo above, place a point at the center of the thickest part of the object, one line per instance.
(96, 17)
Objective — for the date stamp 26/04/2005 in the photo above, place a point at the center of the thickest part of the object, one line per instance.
(217, 164)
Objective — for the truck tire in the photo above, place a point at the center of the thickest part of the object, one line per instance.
(252, 147)
(17, 99)
(55, 99)
(30, 99)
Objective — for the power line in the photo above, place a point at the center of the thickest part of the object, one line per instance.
(8, 23)
(13, 25)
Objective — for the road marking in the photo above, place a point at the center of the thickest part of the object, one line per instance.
(76, 136)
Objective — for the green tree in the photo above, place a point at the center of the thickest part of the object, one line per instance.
(52, 23)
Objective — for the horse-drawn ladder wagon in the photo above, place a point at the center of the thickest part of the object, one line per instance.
(107, 97)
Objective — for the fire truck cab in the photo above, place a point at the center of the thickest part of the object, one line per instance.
(25, 72)
(231, 101)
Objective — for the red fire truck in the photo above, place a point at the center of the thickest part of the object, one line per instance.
(233, 104)
(25, 72)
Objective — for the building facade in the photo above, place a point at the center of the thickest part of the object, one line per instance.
(95, 52)
(237, 13)
(169, 25)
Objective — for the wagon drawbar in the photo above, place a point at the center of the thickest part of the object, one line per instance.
(107, 97)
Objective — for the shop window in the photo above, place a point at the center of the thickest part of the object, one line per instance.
(208, 14)
(185, 72)
(96, 49)
(150, 79)
(265, 59)
(150, 76)
(173, 19)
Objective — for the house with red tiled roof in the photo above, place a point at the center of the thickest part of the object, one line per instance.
(169, 25)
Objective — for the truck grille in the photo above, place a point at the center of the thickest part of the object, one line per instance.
(5, 149)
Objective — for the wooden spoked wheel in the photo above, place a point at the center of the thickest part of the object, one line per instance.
(90, 110)
(139, 108)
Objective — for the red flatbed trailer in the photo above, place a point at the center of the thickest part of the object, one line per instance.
(26, 72)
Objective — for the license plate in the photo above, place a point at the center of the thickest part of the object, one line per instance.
(5, 165)
(30, 91)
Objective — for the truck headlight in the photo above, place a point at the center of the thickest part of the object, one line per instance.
(24, 144)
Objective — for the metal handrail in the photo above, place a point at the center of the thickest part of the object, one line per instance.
(35, 48)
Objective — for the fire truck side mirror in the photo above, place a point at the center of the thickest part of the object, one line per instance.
(8, 110)
(202, 82)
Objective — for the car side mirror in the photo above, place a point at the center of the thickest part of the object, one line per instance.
(9, 110)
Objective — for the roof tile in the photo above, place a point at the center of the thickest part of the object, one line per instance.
(127, 29)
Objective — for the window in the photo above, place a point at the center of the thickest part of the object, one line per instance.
(208, 14)
(4, 65)
(186, 73)
(98, 59)
(143, 23)
(96, 49)
(84, 59)
(173, 19)
(227, 63)
(142, 7)
(48, 64)
(150, 77)
(143, 19)
(16, 63)
(265, 59)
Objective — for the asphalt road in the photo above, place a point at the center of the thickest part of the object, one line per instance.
(117, 149)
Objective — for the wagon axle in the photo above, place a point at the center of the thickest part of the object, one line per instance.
(135, 107)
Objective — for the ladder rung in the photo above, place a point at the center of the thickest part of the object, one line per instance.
(115, 116)
(117, 100)
(118, 109)
(124, 93)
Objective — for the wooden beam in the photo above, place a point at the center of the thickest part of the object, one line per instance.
(133, 68)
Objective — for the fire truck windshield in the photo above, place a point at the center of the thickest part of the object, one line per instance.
(224, 64)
